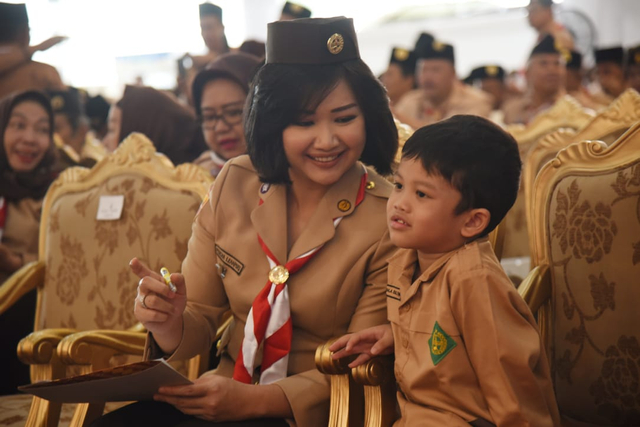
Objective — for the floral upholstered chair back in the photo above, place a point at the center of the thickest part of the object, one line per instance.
(587, 230)
(608, 125)
(88, 283)
(565, 113)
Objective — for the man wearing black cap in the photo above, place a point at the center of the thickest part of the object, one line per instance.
(294, 11)
(440, 94)
(491, 79)
(633, 68)
(399, 78)
(610, 73)
(17, 71)
(573, 83)
(545, 83)
(540, 16)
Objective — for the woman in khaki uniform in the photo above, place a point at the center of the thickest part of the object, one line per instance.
(27, 161)
(300, 207)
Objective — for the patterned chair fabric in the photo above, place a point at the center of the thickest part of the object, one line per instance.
(607, 126)
(87, 284)
(565, 113)
(587, 233)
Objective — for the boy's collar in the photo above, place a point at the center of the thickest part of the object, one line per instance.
(406, 260)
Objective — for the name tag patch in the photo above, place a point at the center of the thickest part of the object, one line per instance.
(229, 260)
(440, 344)
(393, 292)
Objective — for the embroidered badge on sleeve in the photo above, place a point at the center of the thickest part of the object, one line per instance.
(440, 344)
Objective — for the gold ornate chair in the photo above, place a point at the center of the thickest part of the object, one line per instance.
(566, 113)
(586, 253)
(607, 126)
(82, 275)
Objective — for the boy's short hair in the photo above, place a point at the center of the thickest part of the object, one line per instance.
(477, 157)
(281, 92)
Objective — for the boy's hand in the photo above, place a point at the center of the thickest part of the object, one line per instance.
(370, 342)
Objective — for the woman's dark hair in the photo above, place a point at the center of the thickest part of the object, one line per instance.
(477, 157)
(281, 92)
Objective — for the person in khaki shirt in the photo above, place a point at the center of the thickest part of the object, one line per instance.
(467, 347)
(27, 168)
(545, 83)
(540, 17)
(610, 73)
(17, 71)
(574, 85)
(440, 94)
(315, 111)
(400, 76)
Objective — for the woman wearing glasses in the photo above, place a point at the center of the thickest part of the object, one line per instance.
(219, 92)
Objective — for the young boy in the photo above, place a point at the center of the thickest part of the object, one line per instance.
(467, 348)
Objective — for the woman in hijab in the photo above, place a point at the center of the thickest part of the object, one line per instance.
(27, 168)
(219, 92)
(171, 127)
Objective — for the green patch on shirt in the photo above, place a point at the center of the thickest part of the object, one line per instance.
(440, 344)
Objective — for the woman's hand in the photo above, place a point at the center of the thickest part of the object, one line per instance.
(157, 307)
(369, 342)
(215, 398)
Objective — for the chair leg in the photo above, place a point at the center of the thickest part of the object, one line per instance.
(86, 413)
(44, 413)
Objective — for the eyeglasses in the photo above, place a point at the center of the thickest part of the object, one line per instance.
(230, 114)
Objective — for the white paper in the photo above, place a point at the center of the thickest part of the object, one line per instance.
(136, 381)
(110, 208)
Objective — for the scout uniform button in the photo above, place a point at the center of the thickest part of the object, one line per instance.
(344, 205)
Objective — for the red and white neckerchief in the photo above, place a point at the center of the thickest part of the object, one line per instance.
(3, 215)
(269, 320)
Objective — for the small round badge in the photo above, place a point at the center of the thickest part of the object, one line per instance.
(335, 44)
(278, 275)
(344, 205)
(371, 185)
(401, 54)
(57, 102)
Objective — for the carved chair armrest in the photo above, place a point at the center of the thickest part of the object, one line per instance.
(535, 289)
(95, 348)
(376, 375)
(39, 347)
(19, 283)
(347, 398)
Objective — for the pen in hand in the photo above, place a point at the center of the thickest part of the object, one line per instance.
(167, 279)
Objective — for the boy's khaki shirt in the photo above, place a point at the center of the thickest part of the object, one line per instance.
(340, 290)
(466, 344)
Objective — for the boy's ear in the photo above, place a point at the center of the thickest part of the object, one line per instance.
(477, 220)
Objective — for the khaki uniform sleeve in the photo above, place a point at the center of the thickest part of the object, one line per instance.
(505, 350)
(308, 392)
(206, 297)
